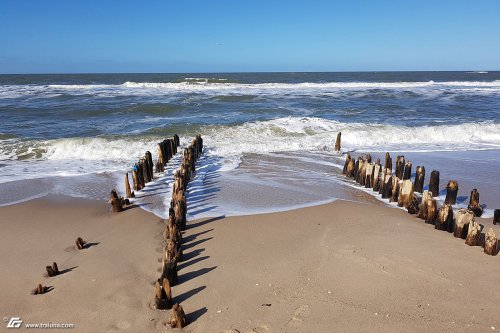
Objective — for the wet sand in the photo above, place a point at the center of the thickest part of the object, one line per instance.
(343, 266)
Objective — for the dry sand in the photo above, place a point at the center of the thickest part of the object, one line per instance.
(344, 266)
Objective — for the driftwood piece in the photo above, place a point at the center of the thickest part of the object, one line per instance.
(39, 290)
(444, 219)
(474, 205)
(178, 319)
(337, 142)
(473, 234)
(412, 207)
(52, 270)
(451, 192)
(407, 171)
(163, 295)
(491, 243)
(434, 183)
(80, 243)
(405, 193)
(419, 179)
(462, 219)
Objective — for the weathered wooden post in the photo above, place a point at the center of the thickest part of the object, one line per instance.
(350, 168)
(422, 213)
(431, 213)
(451, 192)
(39, 290)
(347, 160)
(387, 188)
(80, 243)
(473, 234)
(445, 218)
(405, 193)
(474, 205)
(490, 243)
(337, 143)
(395, 189)
(376, 177)
(115, 201)
(419, 179)
(413, 205)
(161, 156)
(169, 271)
(407, 171)
(52, 270)
(400, 164)
(434, 183)
(496, 216)
(362, 172)
(178, 319)
(149, 158)
(388, 161)
(369, 174)
(163, 295)
(129, 193)
(462, 219)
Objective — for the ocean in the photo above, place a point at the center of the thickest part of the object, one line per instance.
(268, 137)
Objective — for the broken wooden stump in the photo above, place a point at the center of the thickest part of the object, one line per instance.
(434, 183)
(474, 205)
(473, 234)
(451, 192)
(462, 219)
(163, 295)
(419, 179)
(407, 171)
(178, 319)
(128, 192)
(39, 290)
(337, 143)
(115, 201)
(491, 243)
(444, 219)
(80, 243)
(412, 207)
(52, 270)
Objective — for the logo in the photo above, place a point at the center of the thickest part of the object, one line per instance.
(14, 322)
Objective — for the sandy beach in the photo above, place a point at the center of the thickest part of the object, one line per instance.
(344, 266)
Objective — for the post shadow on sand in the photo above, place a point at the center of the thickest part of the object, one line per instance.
(184, 296)
(193, 244)
(193, 316)
(192, 254)
(192, 237)
(90, 244)
(205, 221)
(194, 274)
(67, 270)
(186, 263)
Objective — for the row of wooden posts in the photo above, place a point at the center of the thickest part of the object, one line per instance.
(175, 224)
(398, 187)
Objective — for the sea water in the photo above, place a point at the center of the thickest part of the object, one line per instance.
(268, 137)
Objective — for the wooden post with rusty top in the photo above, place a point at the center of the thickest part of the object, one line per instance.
(419, 179)
(434, 183)
(451, 192)
(337, 142)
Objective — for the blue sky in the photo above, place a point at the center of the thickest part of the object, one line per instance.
(228, 36)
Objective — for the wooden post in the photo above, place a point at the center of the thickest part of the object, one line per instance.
(39, 290)
(419, 179)
(337, 143)
(52, 270)
(431, 213)
(178, 319)
(474, 205)
(407, 171)
(149, 158)
(115, 202)
(445, 218)
(369, 174)
(473, 234)
(405, 193)
(388, 161)
(362, 172)
(422, 213)
(376, 177)
(350, 168)
(347, 160)
(395, 189)
(161, 157)
(413, 205)
(163, 295)
(490, 243)
(451, 192)
(496, 216)
(169, 271)
(400, 164)
(80, 243)
(387, 188)
(434, 183)
(462, 220)
(129, 193)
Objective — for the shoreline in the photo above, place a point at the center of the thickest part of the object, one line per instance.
(337, 266)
